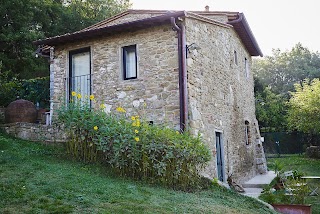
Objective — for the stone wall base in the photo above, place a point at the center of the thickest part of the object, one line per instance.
(35, 132)
(313, 152)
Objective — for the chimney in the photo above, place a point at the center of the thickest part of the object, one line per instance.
(207, 8)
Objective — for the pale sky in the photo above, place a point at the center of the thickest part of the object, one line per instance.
(274, 23)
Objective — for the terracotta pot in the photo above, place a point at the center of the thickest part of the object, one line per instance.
(292, 208)
(21, 111)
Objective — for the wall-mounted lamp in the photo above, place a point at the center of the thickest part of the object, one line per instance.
(191, 47)
(40, 52)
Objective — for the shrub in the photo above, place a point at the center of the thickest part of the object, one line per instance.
(134, 148)
(34, 90)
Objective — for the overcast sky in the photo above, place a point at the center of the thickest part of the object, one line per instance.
(275, 23)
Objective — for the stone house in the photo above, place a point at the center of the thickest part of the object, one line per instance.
(186, 69)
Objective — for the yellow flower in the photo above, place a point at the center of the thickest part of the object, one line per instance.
(91, 97)
(136, 131)
(136, 123)
(95, 128)
(120, 109)
(102, 106)
(133, 118)
(79, 96)
(144, 104)
(73, 93)
(137, 139)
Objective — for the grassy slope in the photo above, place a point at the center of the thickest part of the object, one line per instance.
(308, 167)
(35, 178)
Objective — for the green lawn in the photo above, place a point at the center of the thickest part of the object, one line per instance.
(308, 167)
(35, 178)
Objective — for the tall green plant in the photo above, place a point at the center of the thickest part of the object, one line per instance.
(132, 147)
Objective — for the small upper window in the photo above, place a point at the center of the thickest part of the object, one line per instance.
(129, 60)
(247, 132)
(246, 65)
(235, 58)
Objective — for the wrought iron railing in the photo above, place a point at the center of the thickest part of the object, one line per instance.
(79, 84)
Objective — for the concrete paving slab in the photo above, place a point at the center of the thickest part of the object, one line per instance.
(252, 192)
(260, 181)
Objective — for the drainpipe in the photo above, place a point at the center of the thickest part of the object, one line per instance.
(183, 92)
(51, 84)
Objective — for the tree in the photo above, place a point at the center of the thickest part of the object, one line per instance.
(24, 21)
(271, 110)
(282, 70)
(275, 77)
(16, 36)
(304, 107)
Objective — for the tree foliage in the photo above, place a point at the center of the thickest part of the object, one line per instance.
(271, 110)
(275, 77)
(283, 69)
(24, 21)
(304, 107)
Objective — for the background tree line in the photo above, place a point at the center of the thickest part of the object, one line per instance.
(22, 75)
(24, 21)
(287, 91)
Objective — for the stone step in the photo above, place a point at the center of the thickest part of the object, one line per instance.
(260, 181)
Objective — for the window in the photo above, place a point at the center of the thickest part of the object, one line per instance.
(247, 132)
(246, 66)
(80, 72)
(235, 58)
(129, 66)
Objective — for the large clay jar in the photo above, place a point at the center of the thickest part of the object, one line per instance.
(21, 111)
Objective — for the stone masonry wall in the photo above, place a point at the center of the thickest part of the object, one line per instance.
(154, 94)
(221, 96)
(35, 132)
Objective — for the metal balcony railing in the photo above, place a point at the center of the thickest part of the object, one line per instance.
(79, 84)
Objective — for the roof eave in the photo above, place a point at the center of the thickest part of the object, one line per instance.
(242, 28)
(109, 30)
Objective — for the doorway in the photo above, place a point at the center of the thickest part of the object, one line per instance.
(220, 157)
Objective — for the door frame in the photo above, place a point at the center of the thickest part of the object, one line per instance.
(221, 153)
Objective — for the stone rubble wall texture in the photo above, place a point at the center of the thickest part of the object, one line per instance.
(35, 132)
(221, 97)
(313, 152)
(153, 95)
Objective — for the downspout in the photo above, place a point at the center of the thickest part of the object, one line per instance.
(51, 84)
(183, 92)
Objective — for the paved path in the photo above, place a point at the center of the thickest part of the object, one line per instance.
(254, 186)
